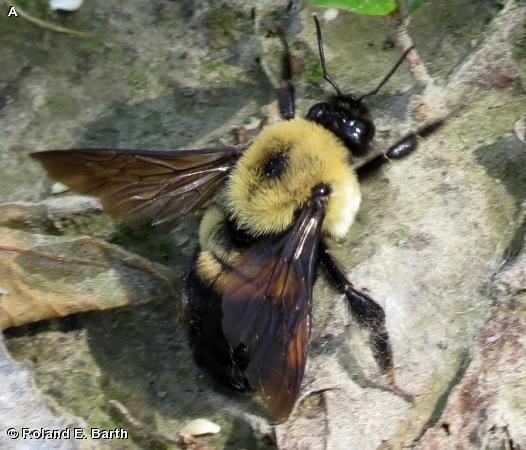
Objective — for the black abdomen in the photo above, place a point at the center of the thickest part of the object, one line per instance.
(203, 320)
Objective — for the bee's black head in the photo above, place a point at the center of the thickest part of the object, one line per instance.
(348, 118)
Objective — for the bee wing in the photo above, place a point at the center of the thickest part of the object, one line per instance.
(141, 186)
(267, 303)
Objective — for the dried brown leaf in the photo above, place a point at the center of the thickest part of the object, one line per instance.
(53, 276)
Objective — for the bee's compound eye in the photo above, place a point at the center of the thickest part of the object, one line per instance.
(321, 190)
(317, 112)
(276, 165)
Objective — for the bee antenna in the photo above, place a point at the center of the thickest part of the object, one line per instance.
(326, 76)
(389, 74)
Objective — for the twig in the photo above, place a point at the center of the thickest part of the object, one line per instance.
(403, 41)
(141, 430)
(47, 25)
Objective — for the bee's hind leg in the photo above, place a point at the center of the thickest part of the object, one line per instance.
(364, 309)
(369, 315)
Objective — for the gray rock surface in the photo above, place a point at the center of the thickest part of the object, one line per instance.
(432, 233)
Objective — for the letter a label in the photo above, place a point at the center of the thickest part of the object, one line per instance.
(12, 12)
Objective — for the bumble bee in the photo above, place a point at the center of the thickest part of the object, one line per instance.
(263, 239)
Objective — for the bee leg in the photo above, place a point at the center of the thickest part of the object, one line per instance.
(367, 313)
(402, 148)
(286, 100)
(364, 309)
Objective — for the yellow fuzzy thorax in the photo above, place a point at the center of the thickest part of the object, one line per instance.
(266, 205)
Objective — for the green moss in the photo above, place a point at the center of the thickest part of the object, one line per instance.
(137, 80)
(124, 235)
(146, 241)
(93, 45)
(297, 46)
(10, 25)
(38, 8)
(313, 70)
(219, 69)
(58, 103)
(519, 45)
(213, 66)
(495, 8)
(223, 23)
(96, 225)
(150, 123)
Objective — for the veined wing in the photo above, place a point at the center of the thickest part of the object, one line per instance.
(142, 186)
